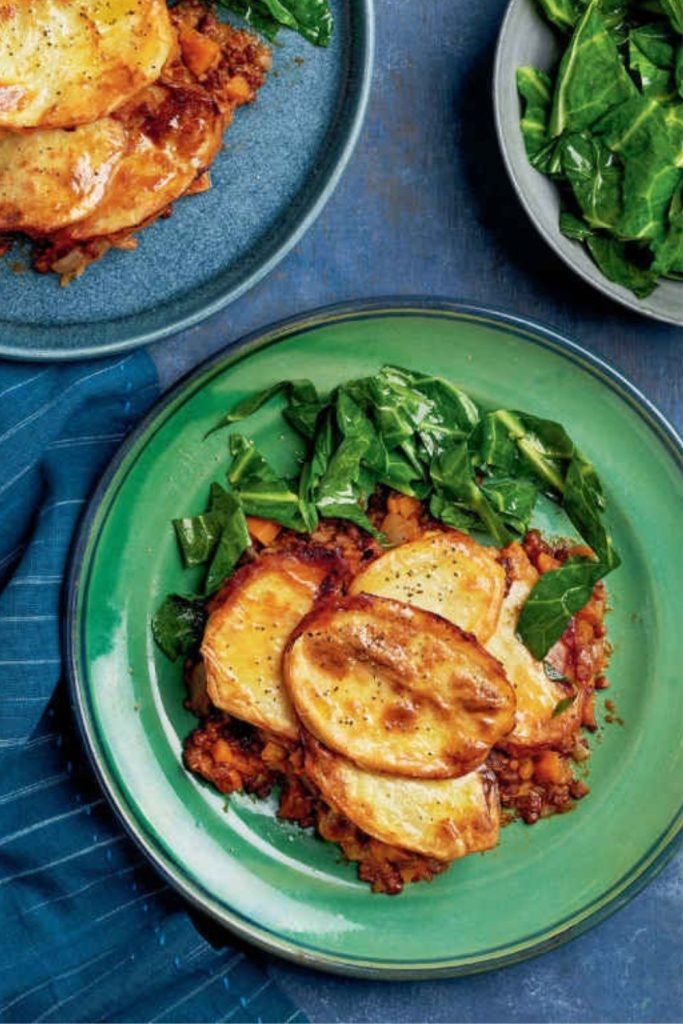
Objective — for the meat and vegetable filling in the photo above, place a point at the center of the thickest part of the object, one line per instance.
(406, 687)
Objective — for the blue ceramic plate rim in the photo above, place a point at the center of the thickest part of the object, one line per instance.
(660, 852)
(183, 311)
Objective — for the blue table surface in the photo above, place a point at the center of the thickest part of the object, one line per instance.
(425, 208)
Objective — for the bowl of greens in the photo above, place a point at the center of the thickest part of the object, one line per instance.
(588, 101)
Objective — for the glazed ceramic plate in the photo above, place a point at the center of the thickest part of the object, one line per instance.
(281, 160)
(269, 881)
(526, 38)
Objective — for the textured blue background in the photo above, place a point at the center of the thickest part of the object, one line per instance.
(425, 208)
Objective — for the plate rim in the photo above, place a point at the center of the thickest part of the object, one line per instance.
(620, 893)
(598, 281)
(315, 200)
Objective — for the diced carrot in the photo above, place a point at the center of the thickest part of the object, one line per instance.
(405, 506)
(551, 767)
(398, 529)
(581, 550)
(238, 89)
(200, 53)
(222, 752)
(263, 530)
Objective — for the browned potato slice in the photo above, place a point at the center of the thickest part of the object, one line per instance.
(173, 135)
(445, 572)
(536, 693)
(247, 631)
(395, 688)
(442, 818)
(49, 179)
(69, 63)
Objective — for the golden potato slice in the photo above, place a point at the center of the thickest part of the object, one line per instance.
(173, 135)
(537, 695)
(395, 688)
(442, 818)
(49, 179)
(445, 572)
(247, 631)
(69, 63)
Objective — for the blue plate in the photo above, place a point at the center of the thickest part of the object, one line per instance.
(281, 162)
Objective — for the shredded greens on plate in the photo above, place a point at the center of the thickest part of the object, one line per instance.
(312, 19)
(608, 127)
(478, 470)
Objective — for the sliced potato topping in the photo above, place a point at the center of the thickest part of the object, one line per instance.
(64, 64)
(247, 631)
(445, 572)
(49, 179)
(442, 818)
(395, 688)
(537, 694)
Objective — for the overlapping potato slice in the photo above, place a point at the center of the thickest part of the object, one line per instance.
(395, 688)
(443, 818)
(246, 634)
(69, 63)
(445, 572)
(49, 179)
(173, 135)
(537, 694)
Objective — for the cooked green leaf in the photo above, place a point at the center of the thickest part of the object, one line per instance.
(557, 596)
(614, 138)
(669, 251)
(561, 13)
(674, 11)
(233, 541)
(512, 499)
(341, 492)
(583, 502)
(218, 536)
(573, 227)
(638, 133)
(563, 705)
(614, 261)
(673, 116)
(423, 436)
(259, 488)
(454, 483)
(299, 393)
(591, 78)
(402, 475)
(540, 445)
(178, 625)
(310, 18)
(595, 176)
(535, 88)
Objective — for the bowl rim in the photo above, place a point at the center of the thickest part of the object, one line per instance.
(590, 274)
(662, 849)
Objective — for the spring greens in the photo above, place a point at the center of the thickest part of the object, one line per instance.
(608, 127)
(312, 19)
(418, 434)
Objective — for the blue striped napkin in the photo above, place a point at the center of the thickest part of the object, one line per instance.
(89, 931)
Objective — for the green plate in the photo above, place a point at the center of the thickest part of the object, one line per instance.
(274, 884)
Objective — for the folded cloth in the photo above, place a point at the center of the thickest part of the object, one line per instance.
(90, 932)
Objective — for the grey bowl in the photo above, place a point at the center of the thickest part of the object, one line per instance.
(526, 39)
